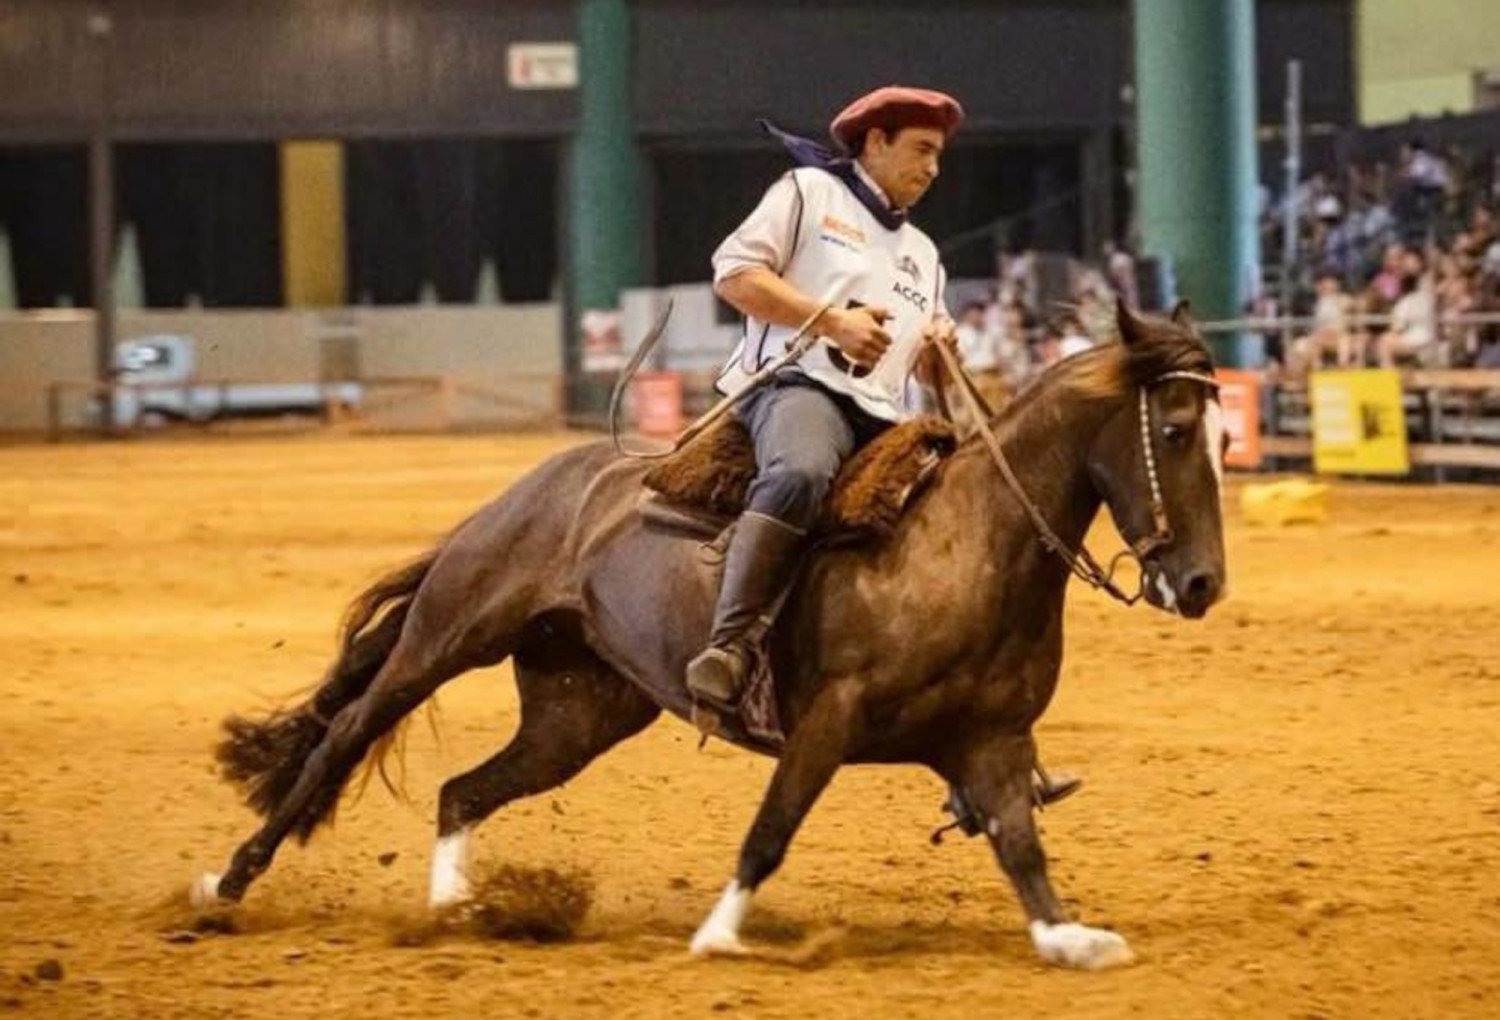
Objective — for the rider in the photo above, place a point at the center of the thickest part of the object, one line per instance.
(835, 232)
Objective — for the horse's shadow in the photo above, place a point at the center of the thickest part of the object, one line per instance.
(776, 939)
(780, 940)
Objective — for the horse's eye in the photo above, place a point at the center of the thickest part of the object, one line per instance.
(1174, 433)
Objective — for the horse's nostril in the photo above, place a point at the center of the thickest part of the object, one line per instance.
(1201, 586)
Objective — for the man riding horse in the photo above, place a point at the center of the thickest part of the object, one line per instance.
(837, 226)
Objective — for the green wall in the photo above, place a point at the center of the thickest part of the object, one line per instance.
(1419, 58)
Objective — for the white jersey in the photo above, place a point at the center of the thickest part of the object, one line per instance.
(813, 232)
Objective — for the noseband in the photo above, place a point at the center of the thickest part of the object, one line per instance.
(1082, 563)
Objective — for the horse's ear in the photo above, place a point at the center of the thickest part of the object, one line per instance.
(1129, 326)
(1182, 314)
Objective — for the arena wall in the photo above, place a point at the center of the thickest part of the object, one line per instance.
(488, 366)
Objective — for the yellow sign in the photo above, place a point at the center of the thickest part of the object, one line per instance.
(1359, 424)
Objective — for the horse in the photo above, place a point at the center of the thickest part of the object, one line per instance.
(939, 647)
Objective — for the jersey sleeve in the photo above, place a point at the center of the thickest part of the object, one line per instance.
(940, 300)
(768, 236)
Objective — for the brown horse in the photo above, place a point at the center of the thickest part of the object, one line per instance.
(940, 647)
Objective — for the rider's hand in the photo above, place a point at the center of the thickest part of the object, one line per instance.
(858, 332)
(929, 367)
(941, 330)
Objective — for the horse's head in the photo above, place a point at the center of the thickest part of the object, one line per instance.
(1158, 462)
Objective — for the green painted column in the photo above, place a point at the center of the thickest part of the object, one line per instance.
(1195, 132)
(605, 182)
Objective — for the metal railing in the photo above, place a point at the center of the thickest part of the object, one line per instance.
(1452, 413)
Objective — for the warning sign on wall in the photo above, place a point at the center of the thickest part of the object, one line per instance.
(542, 65)
(1359, 423)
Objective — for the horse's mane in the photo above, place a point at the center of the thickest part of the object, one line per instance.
(1115, 368)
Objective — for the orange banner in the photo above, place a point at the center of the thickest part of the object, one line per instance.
(1239, 396)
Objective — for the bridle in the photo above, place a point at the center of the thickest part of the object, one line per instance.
(1081, 563)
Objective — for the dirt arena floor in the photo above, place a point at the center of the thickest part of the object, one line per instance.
(1292, 808)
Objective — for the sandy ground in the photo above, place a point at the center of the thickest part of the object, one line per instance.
(1292, 808)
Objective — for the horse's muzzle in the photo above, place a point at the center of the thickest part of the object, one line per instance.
(1190, 596)
(1198, 592)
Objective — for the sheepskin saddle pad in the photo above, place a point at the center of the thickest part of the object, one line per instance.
(712, 474)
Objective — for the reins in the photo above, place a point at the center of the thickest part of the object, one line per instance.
(1081, 563)
(797, 346)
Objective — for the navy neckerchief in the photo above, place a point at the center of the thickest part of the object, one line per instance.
(810, 153)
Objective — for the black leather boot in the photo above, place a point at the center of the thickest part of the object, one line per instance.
(761, 564)
(1049, 788)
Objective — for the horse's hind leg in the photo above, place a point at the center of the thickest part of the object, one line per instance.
(573, 709)
(997, 780)
(407, 678)
(443, 636)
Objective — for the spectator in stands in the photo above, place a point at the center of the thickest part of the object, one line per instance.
(1016, 359)
(1481, 233)
(1331, 334)
(982, 352)
(1487, 299)
(1120, 268)
(1385, 288)
(1422, 182)
(1337, 240)
(1413, 330)
(1046, 351)
(1456, 295)
(1072, 337)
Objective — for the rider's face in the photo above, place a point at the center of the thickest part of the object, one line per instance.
(905, 163)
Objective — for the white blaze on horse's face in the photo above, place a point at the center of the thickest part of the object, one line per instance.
(1213, 434)
(1168, 594)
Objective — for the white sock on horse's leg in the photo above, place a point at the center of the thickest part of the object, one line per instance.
(205, 891)
(1078, 945)
(720, 933)
(450, 870)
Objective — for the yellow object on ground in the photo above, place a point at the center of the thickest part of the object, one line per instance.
(1293, 501)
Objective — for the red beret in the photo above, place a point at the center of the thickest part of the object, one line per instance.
(897, 105)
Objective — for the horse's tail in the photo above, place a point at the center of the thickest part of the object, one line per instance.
(265, 757)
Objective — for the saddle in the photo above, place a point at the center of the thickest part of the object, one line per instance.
(703, 486)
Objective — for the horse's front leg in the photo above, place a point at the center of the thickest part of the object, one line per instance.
(812, 755)
(997, 781)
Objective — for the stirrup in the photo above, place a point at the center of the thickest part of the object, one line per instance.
(1049, 789)
(727, 671)
(965, 819)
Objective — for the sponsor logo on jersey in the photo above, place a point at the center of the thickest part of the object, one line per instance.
(910, 295)
(908, 265)
(836, 230)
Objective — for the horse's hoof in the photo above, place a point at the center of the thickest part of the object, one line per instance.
(717, 943)
(205, 891)
(450, 899)
(1079, 946)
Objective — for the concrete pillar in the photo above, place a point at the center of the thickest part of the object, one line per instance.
(1195, 103)
(605, 181)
